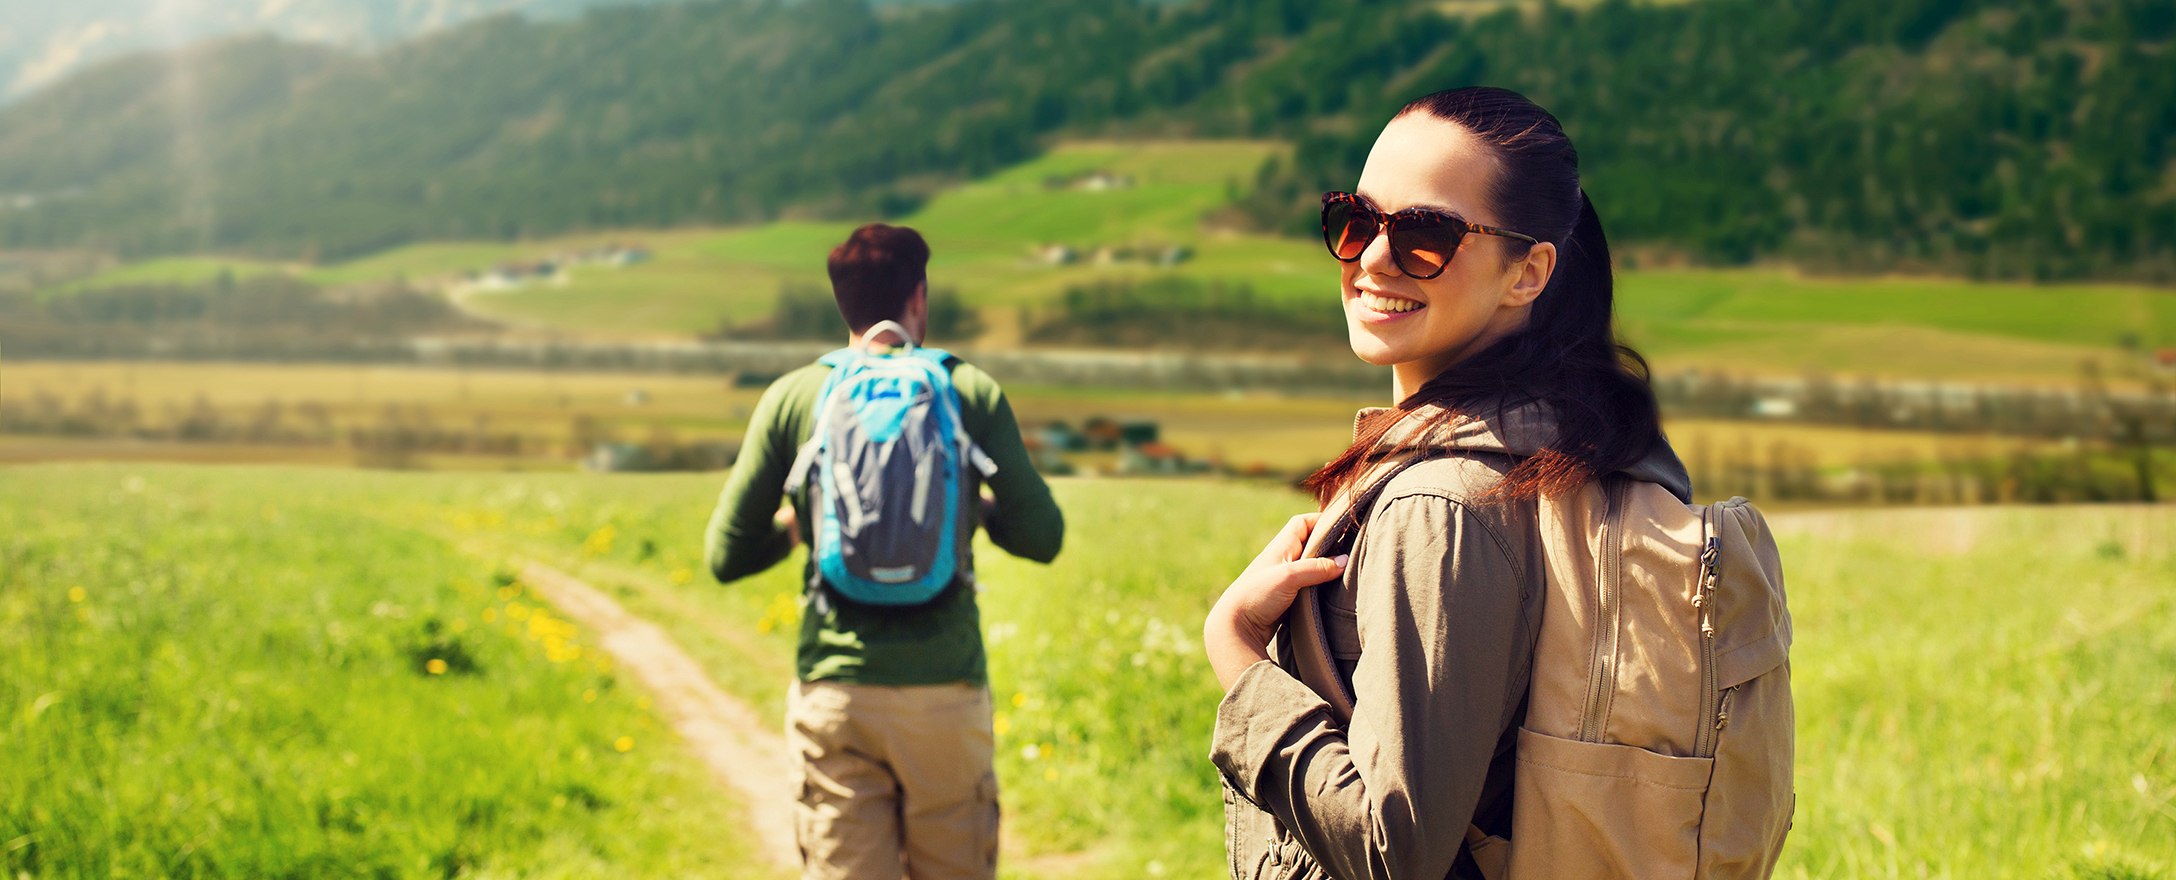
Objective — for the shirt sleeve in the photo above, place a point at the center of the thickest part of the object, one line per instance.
(1026, 521)
(1390, 793)
(743, 536)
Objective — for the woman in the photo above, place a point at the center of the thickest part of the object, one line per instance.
(1475, 268)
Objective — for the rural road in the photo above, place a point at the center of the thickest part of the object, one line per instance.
(740, 749)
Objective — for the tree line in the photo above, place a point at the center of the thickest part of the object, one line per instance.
(2028, 139)
(266, 315)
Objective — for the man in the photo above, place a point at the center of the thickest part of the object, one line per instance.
(889, 721)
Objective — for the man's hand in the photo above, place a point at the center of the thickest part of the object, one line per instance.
(1236, 634)
(786, 521)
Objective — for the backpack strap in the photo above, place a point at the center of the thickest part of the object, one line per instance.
(980, 460)
(1304, 628)
(805, 456)
(969, 451)
(906, 340)
(803, 459)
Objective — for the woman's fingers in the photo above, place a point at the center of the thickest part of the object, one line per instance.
(1267, 587)
(1265, 594)
(1302, 573)
(1292, 539)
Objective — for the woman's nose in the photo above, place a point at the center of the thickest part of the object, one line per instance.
(1375, 259)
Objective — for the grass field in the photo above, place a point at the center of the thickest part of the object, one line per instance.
(1981, 693)
(172, 270)
(231, 673)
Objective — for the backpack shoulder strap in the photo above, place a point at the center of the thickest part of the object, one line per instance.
(1304, 625)
(945, 363)
(805, 456)
(1342, 517)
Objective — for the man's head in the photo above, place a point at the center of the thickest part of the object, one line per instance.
(881, 274)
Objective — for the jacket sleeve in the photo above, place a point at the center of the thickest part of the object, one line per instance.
(1389, 794)
(743, 536)
(1026, 522)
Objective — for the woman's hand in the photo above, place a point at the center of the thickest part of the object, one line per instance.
(1237, 631)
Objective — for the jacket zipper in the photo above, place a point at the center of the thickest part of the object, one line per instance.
(1703, 601)
(1602, 681)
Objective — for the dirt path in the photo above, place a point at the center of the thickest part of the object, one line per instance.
(741, 750)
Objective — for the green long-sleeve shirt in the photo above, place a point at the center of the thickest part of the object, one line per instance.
(934, 643)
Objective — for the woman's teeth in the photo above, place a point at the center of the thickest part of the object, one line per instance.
(1387, 304)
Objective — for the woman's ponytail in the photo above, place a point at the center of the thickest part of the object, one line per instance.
(1583, 273)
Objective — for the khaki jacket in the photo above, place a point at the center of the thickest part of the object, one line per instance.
(1435, 622)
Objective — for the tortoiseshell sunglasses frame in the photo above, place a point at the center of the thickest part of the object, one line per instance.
(1387, 224)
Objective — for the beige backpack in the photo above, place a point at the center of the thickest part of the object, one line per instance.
(1658, 734)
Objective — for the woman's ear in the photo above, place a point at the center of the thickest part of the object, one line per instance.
(1531, 275)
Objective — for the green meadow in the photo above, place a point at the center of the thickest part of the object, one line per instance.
(225, 672)
(170, 270)
(1152, 195)
(246, 673)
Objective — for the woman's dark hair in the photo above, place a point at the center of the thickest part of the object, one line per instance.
(875, 272)
(1567, 357)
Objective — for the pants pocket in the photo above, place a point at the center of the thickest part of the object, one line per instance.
(993, 818)
(1605, 810)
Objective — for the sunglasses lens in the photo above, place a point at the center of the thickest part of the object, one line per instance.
(1346, 229)
(1424, 245)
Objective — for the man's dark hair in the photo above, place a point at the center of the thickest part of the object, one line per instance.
(875, 272)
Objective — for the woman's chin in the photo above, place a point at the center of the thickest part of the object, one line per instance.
(1371, 348)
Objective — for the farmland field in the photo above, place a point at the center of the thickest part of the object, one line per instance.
(1285, 434)
(1981, 693)
(1151, 195)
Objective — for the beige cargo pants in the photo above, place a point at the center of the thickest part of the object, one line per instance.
(893, 781)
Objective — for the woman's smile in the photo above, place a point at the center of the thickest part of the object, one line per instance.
(1375, 307)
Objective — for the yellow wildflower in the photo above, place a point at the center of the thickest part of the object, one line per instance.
(589, 696)
(624, 744)
(76, 594)
(435, 666)
(599, 542)
(1019, 700)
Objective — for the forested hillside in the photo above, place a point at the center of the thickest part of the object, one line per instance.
(43, 42)
(2024, 139)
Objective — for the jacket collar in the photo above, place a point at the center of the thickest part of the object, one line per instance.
(1521, 432)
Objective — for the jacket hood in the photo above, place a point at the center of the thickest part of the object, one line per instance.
(1522, 431)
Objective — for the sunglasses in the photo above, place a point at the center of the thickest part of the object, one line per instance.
(1422, 240)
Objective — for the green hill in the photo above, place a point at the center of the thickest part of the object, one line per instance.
(1135, 201)
(2022, 140)
(986, 235)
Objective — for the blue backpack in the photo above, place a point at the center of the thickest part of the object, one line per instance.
(887, 458)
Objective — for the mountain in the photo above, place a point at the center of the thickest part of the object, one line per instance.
(41, 43)
(2032, 139)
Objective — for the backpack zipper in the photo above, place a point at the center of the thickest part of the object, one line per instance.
(1703, 601)
(1602, 681)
